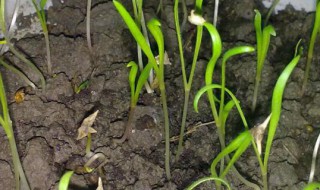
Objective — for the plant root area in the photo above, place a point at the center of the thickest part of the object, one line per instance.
(46, 122)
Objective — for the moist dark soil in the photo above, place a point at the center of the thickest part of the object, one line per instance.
(46, 122)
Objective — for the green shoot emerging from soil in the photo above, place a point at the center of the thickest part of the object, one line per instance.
(42, 17)
(83, 85)
(5, 121)
(220, 115)
(11, 47)
(242, 141)
(135, 92)
(187, 81)
(276, 112)
(263, 40)
(239, 145)
(154, 27)
(140, 21)
(316, 28)
(65, 179)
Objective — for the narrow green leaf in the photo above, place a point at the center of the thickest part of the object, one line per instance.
(217, 86)
(135, 31)
(226, 110)
(198, 7)
(243, 147)
(267, 31)
(64, 181)
(257, 26)
(243, 139)
(312, 186)
(216, 51)
(5, 113)
(236, 51)
(154, 28)
(226, 56)
(277, 103)
(141, 81)
(2, 17)
(132, 76)
(43, 4)
(315, 30)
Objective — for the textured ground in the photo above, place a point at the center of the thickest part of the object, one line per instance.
(46, 123)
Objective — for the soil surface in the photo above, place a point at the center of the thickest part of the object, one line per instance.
(46, 122)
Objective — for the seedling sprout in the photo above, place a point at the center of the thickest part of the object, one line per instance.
(135, 92)
(316, 28)
(154, 27)
(83, 85)
(65, 180)
(140, 21)
(276, 110)
(196, 19)
(6, 123)
(263, 40)
(42, 17)
(242, 142)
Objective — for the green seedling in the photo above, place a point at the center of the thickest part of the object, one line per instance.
(220, 115)
(11, 47)
(86, 130)
(276, 111)
(238, 145)
(242, 142)
(82, 86)
(42, 17)
(140, 21)
(6, 123)
(135, 92)
(154, 27)
(65, 180)
(316, 28)
(18, 72)
(312, 186)
(187, 80)
(314, 159)
(263, 41)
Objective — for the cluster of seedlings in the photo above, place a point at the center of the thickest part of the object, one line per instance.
(151, 75)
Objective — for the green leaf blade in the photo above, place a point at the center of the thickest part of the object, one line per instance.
(277, 104)
(141, 81)
(64, 181)
(135, 31)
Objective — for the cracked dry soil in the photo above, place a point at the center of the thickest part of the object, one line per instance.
(46, 123)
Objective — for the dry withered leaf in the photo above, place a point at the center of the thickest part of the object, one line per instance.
(86, 126)
(19, 95)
